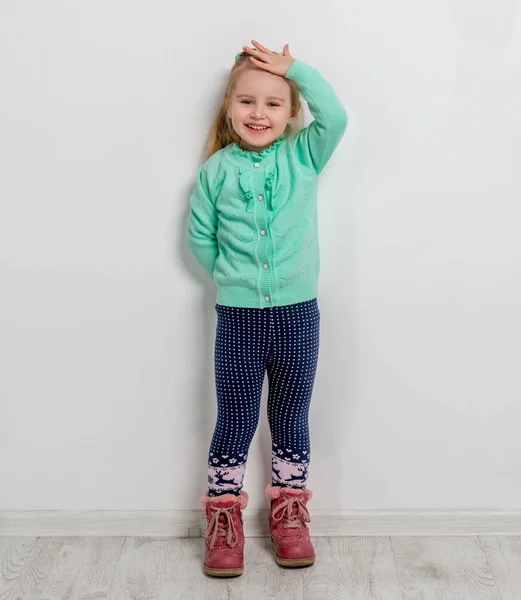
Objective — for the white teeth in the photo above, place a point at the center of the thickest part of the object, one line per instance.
(254, 127)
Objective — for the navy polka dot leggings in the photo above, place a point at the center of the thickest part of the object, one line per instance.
(282, 341)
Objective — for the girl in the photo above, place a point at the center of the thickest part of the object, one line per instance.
(253, 227)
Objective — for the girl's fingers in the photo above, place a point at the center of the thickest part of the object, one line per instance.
(251, 50)
(258, 62)
(256, 53)
(264, 58)
(260, 47)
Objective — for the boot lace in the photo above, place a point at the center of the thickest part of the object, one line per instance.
(292, 512)
(221, 525)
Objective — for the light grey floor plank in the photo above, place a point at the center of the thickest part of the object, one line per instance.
(352, 567)
(62, 559)
(158, 569)
(14, 554)
(50, 571)
(357, 568)
(264, 579)
(504, 557)
(100, 560)
(448, 568)
(190, 580)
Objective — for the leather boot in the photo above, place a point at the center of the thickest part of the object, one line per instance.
(224, 536)
(288, 530)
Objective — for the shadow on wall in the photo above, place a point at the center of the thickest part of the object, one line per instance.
(200, 421)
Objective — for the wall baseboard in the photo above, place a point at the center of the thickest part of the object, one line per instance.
(166, 523)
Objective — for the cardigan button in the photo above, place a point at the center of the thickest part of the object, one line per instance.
(256, 165)
(262, 232)
(267, 298)
(261, 197)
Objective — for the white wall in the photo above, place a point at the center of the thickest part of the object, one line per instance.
(107, 324)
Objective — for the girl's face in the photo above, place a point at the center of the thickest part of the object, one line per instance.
(259, 108)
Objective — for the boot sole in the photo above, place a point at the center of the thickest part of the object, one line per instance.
(223, 572)
(295, 562)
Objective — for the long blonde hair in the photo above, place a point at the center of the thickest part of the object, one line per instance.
(222, 132)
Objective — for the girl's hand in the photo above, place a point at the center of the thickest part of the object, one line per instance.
(275, 63)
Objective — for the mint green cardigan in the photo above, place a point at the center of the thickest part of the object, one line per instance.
(253, 215)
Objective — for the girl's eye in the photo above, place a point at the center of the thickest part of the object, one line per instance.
(249, 101)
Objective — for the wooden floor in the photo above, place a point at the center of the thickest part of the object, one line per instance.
(349, 568)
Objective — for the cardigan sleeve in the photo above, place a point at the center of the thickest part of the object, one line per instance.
(202, 224)
(317, 142)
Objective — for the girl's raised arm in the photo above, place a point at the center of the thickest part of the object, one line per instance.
(317, 142)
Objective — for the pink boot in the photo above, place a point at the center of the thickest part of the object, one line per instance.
(224, 537)
(288, 529)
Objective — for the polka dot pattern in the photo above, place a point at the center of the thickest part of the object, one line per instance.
(283, 342)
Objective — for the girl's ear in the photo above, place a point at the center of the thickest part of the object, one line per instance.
(293, 117)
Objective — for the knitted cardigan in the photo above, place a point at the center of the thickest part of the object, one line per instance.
(253, 215)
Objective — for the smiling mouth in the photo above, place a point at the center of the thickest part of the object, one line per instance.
(257, 127)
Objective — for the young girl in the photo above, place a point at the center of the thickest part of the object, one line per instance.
(253, 227)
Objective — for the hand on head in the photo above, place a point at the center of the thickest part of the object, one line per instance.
(274, 62)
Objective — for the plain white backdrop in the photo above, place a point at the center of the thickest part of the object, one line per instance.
(107, 324)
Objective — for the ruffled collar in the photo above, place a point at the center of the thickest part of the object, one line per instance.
(252, 154)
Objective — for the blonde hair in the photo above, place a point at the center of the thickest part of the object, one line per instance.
(222, 132)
